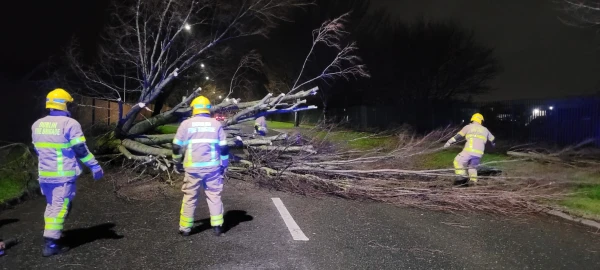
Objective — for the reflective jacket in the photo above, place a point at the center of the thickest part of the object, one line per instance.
(476, 137)
(260, 125)
(55, 138)
(204, 144)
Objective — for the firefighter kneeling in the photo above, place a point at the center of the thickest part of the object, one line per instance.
(476, 136)
(200, 143)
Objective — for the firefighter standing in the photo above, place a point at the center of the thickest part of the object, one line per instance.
(202, 140)
(260, 126)
(476, 136)
(58, 141)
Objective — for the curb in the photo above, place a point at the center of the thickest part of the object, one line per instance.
(587, 222)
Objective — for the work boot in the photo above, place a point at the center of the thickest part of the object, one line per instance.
(218, 230)
(460, 181)
(185, 232)
(52, 247)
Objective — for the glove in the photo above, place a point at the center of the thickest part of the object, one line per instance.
(98, 172)
(179, 168)
(447, 145)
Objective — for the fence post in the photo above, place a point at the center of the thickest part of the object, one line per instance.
(296, 117)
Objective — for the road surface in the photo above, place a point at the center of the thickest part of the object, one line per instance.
(106, 232)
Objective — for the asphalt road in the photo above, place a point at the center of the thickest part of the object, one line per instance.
(106, 232)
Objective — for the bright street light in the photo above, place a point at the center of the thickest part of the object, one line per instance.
(187, 27)
(551, 108)
(202, 65)
(536, 111)
(207, 78)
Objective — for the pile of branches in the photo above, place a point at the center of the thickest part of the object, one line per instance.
(296, 165)
(574, 155)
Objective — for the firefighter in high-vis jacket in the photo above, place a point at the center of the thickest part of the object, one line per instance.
(59, 142)
(260, 126)
(476, 136)
(200, 150)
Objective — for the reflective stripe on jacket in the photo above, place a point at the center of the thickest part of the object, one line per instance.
(202, 138)
(53, 138)
(476, 137)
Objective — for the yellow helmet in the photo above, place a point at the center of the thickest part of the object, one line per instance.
(477, 118)
(57, 99)
(200, 105)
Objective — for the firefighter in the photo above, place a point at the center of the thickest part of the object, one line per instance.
(58, 141)
(260, 126)
(476, 136)
(200, 150)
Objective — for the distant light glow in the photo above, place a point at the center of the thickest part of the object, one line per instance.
(551, 108)
(187, 27)
(536, 111)
(220, 97)
(207, 77)
(202, 65)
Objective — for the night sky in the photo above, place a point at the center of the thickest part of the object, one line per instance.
(541, 56)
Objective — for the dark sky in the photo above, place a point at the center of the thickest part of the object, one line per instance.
(541, 56)
(33, 30)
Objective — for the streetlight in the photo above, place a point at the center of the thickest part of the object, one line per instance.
(207, 78)
(202, 65)
(551, 108)
(187, 27)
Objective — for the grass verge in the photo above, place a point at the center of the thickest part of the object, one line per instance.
(15, 174)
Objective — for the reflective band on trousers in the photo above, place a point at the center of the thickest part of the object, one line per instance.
(186, 222)
(459, 169)
(56, 223)
(216, 220)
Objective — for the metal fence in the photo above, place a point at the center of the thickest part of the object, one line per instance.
(554, 121)
(558, 121)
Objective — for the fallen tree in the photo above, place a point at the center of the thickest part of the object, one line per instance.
(150, 44)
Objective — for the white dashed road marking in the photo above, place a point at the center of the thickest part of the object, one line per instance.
(297, 234)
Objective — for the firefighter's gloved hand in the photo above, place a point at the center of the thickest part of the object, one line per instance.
(97, 172)
(179, 168)
(447, 144)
